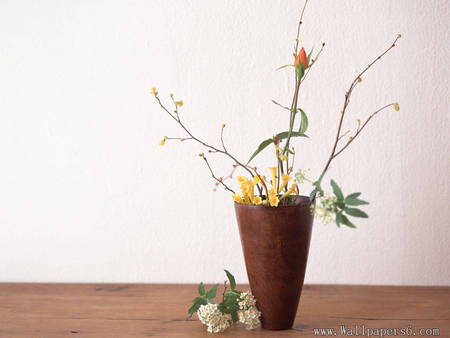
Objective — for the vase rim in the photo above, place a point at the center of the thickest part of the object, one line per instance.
(300, 200)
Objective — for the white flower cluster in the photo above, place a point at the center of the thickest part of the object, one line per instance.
(249, 315)
(325, 212)
(250, 318)
(211, 316)
(247, 300)
(300, 176)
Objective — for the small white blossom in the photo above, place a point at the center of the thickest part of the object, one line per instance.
(300, 176)
(211, 316)
(250, 318)
(247, 300)
(323, 215)
(325, 212)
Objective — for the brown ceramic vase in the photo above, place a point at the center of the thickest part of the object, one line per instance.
(275, 242)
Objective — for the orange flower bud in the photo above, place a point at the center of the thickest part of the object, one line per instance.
(302, 58)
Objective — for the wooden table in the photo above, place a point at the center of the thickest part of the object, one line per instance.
(139, 310)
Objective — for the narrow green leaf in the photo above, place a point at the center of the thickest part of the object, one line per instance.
(338, 219)
(303, 122)
(356, 213)
(234, 317)
(285, 66)
(212, 293)
(201, 289)
(313, 194)
(354, 201)
(280, 105)
(354, 195)
(309, 55)
(346, 221)
(260, 148)
(337, 191)
(300, 71)
(196, 299)
(231, 279)
(279, 136)
(194, 308)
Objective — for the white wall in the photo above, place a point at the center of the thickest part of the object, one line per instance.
(86, 193)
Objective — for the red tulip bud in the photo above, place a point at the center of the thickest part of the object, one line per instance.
(302, 58)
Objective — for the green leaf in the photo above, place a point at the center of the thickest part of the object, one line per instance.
(212, 293)
(198, 301)
(318, 188)
(354, 201)
(279, 136)
(194, 308)
(285, 66)
(337, 191)
(338, 219)
(300, 71)
(345, 220)
(280, 105)
(309, 55)
(261, 147)
(201, 289)
(303, 122)
(356, 213)
(234, 317)
(354, 195)
(231, 279)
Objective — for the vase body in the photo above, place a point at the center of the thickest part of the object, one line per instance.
(275, 242)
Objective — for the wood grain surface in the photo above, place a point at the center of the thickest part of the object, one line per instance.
(142, 310)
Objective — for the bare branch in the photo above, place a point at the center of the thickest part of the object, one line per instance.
(220, 179)
(210, 147)
(346, 102)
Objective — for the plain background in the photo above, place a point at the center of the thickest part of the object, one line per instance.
(88, 195)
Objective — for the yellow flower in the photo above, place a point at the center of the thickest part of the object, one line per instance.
(161, 143)
(237, 198)
(273, 200)
(284, 181)
(201, 155)
(290, 191)
(241, 179)
(179, 103)
(396, 106)
(256, 180)
(251, 187)
(273, 171)
(153, 91)
(257, 200)
(171, 94)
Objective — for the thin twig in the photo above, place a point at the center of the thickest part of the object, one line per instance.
(210, 147)
(219, 180)
(346, 102)
(358, 131)
(230, 175)
(221, 138)
(314, 60)
(224, 290)
(299, 25)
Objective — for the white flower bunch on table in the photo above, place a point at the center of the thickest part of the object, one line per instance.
(236, 306)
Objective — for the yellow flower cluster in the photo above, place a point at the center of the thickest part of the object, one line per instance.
(273, 199)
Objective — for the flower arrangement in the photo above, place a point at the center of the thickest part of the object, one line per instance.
(236, 306)
(282, 186)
